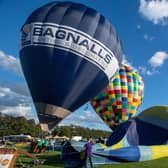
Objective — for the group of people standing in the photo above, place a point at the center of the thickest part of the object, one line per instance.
(42, 145)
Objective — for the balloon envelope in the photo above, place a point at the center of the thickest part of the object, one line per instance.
(69, 52)
(150, 127)
(121, 98)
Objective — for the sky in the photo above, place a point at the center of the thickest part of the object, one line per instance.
(142, 26)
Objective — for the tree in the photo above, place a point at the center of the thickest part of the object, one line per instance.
(18, 125)
(71, 130)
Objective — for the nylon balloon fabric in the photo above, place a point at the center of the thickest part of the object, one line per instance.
(68, 53)
(142, 138)
(120, 100)
(73, 154)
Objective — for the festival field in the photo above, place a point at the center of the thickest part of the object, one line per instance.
(52, 160)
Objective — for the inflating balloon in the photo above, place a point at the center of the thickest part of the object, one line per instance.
(144, 129)
(69, 52)
(121, 99)
(142, 138)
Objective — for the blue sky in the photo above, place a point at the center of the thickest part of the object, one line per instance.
(142, 27)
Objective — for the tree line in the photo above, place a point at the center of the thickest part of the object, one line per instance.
(10, 125)
(73, 130)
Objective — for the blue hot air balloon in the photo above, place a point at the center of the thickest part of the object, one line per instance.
(68, 53)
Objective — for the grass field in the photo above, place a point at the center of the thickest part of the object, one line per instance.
(52, 160)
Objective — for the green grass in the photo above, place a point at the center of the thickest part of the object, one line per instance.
(52, 160)
(159, 163)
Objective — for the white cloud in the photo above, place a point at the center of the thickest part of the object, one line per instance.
(125, 61)
(145, 71)
(84, 114)
(158, 59)
(154, 10)
(10, 63)
(148, 37)
(18, 110)
(89, 114)
(155, 61)
(140, 69)
(145, 36)
(82, 117)
(15, 104)
(17, 87)
(85, 118)
(138, 26)
(11, 98)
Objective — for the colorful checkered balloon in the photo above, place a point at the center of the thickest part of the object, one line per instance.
(121, 99)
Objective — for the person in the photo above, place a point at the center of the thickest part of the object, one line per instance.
(46, 143)
(52, 144)
(100, 140)
(40, 145)
(88, 150)
(3, 143)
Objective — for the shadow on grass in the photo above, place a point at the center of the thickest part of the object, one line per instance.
(51, 159)
(47, 159)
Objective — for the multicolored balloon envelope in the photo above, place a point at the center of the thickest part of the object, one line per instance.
(68, 53)
(121, 99)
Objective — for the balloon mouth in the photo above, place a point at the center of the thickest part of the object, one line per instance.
(50, 115)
